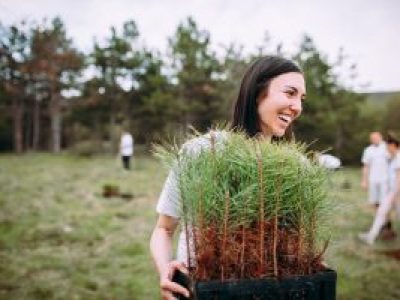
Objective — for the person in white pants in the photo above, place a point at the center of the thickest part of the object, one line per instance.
(392, 199)
(375, 169)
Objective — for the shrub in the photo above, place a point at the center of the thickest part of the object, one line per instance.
(255, 209)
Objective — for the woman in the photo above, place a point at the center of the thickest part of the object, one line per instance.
(392, 198)
(269, 100)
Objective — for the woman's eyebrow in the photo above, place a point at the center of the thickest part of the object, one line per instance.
(294, 88)
(291, 87)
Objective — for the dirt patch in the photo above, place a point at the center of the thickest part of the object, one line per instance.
(392, 253)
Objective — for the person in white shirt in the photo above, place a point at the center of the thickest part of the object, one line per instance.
(392, 199)
(126, 149)
(375, 169)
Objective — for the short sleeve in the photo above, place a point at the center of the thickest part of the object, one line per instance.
(366, 157)
(169, 200)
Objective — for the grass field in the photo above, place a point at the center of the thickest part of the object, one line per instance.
(60, 239)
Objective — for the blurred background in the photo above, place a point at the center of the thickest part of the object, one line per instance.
(75, 74)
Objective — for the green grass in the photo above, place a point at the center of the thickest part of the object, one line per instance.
(60, 239)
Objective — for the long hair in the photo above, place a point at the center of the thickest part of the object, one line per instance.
(255, 81)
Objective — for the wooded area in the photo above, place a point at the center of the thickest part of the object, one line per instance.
(53, 96)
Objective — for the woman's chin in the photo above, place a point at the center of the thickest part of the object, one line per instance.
(279, 133)
(280, 130)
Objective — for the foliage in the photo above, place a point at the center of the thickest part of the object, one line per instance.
(329, 116)
(196, 71)
(118, 62)
(38, 62)
(155, 101)
(122, 83)
(14, 55)
(237, 190)
(54, 67)
(392, 115)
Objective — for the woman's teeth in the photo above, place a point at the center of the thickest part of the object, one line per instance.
(285, 118)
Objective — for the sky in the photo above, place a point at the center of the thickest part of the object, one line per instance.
(367, 30)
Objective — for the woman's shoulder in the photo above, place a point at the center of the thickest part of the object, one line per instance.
(203, 142)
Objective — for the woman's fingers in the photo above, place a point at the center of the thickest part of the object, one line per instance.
(176, 265)
(172, 287)
(324, 264)
(168, 286)
(166, 295)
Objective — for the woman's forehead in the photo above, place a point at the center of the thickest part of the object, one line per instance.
(292, 79)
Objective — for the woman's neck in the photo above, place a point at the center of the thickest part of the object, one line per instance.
(264, 137)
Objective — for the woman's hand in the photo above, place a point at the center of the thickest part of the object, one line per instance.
(364, 184)
(161, 250)
(168, 287)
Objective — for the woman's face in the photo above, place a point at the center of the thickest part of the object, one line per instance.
(281, 104)
(392, 149)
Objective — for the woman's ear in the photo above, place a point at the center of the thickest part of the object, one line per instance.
(261, 96)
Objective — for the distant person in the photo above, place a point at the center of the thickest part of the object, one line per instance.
(392, 199)
(126, 149)
(375, 169)
(375, 176)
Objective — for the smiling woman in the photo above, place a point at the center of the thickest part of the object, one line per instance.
(269, 100)
(281, 104)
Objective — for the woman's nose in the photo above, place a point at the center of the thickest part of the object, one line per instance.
(296, 106)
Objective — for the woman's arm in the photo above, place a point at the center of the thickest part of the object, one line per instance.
(364, 176)
(161, 250)
(397, 188)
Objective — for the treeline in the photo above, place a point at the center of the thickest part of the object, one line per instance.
(53, 96)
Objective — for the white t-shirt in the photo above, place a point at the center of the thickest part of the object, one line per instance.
(376, 157)
(169, 202)
(126, 145)
(394, 167)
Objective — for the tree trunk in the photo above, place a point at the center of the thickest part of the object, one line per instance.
(18, 114)
(36, 125)
(55, 116)
(339, 140)
(28, 119)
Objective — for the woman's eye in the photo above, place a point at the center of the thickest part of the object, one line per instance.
(290, 93)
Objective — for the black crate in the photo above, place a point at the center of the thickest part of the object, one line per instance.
(319, 286)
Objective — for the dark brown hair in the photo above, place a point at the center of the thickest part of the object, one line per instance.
(392, 139)
(255, 81)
